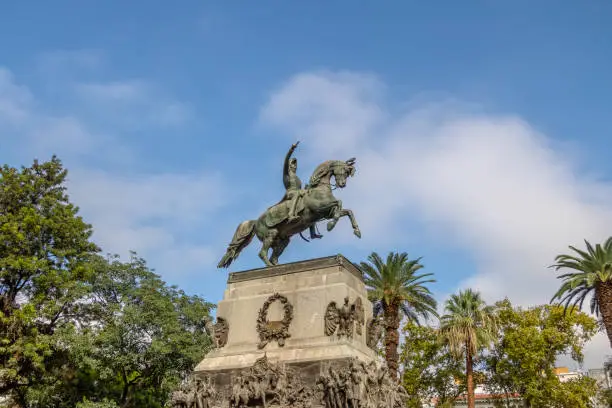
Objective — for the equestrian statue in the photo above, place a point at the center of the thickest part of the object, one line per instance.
(298, 211)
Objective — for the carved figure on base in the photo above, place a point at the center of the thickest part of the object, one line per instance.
(342, 320)
(360, 386)
(218, 331)
(374, 331)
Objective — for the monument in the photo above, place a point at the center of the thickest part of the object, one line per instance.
(300, 334)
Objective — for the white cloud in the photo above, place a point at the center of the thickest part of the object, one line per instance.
(118, 91)
(66, 62)
(31, 129)
(14, 99)
(335, 111)
(133, 103)
(489, 184)
(147, 213)
(61, 134)
(154, 214)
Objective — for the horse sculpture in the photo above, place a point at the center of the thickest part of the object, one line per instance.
(275, 227)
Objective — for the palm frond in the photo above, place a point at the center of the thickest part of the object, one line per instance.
(468, 324)
(587, 269)
(395, 281)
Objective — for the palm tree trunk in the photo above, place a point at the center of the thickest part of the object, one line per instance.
(469, 376)
(603, 292)
(392, 323)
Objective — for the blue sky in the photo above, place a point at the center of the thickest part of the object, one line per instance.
(481, 128)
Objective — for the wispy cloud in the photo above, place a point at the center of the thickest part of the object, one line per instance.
(158, 214)
(30, 128)
(68, 61)
(491, 185)
(335, 122)
(15, 100)
(112, 92)
(134, 103)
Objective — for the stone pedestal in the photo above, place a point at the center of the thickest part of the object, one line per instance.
(308, 287)
(294, 335)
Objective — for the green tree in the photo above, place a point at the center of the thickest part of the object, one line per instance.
(146, 336)
(581, 392)
(467, 326)
(103, 404)
(44, 247)
(591, 273)
(395, 288)
(428, 370)
(523, 360)
(136, 340)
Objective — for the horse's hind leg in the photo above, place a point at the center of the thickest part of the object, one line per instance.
(277, 249)
(267, 243)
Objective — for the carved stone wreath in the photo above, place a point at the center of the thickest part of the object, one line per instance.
(275, 329)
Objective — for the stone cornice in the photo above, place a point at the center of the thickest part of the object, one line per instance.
(295, 267)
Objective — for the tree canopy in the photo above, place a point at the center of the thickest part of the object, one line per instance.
(76, 327)
(530, 341)
(429, 371)
(44, 248)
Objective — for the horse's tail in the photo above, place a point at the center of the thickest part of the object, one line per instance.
(242, 237)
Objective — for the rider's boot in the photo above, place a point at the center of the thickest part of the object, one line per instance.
(292, 215)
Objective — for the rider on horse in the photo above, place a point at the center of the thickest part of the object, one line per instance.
(299, 210)
(293, 184)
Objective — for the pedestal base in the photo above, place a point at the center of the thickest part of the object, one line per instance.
(309, 287)
(294, 335)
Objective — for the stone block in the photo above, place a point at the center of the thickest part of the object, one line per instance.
(308, 287)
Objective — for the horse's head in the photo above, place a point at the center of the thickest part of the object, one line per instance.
(339, 169)
(342, 170)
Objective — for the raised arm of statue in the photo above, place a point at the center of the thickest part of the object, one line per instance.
(286, 165)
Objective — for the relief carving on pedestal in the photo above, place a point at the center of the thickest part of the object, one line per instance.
(276, 385)
(374, 331)
(342, 320)
(360, 385)
(218, 331)
(270, 330)
(269, 385)
(194, 392)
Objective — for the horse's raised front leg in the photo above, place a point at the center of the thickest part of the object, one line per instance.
(335, 216)
(341, 212)
(349, 213)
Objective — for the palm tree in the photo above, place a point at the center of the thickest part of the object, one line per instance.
(468, 326)
(592, 272)
(396, 289)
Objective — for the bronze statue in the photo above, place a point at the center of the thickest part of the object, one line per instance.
(293, 185)
(299, 210)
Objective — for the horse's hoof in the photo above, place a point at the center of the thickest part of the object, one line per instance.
(316, 236)
(330, 225)
(357, 232)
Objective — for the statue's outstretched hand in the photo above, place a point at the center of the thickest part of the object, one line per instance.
(293, 146)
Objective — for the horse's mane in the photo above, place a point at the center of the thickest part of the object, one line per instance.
(321, 170)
